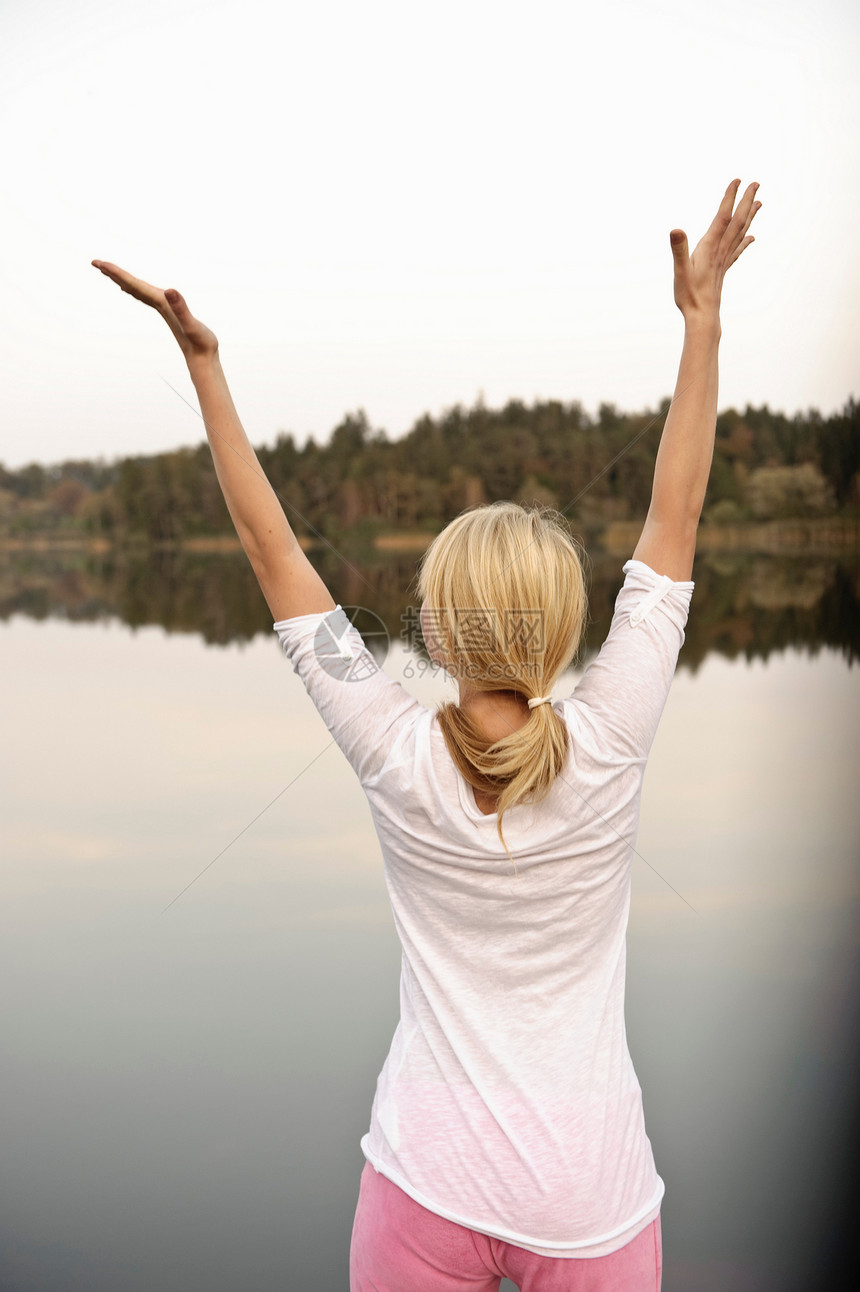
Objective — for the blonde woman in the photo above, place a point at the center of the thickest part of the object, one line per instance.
(506, 1136)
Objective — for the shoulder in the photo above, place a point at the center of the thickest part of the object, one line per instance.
(623, 690)
(364, 708)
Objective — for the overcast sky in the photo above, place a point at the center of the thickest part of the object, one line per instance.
(397, 206)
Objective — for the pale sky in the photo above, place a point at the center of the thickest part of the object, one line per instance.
(397, 206)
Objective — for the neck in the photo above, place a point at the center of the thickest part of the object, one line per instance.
(496, 713)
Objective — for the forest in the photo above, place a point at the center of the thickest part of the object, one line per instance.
(362, 485)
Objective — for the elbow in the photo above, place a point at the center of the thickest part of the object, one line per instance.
(270, 551)
(682, 519)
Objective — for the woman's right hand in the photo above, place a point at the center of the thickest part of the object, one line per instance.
(196, 340)
(699, 277)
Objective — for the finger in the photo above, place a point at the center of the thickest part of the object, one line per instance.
(748, 241)
(724, 211)
(115, 273)
(746, 204)
(756, 207)
(678, 242)
(742, 218)
(177, 303)
(742, 233)
(136, 287)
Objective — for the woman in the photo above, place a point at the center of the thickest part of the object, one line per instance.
(506, 1137)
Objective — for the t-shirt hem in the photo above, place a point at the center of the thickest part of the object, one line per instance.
(316, 615)
(601, 1245)
(634, 566)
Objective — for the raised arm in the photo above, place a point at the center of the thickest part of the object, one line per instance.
(288, 581)
(668, 540)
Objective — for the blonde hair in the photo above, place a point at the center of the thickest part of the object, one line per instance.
(505, 599)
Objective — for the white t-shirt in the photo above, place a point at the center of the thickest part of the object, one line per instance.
(508, 1102)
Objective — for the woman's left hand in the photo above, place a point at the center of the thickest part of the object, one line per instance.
(699, 277)
(196, 340)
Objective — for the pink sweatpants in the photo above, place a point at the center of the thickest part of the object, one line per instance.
(399, 1246)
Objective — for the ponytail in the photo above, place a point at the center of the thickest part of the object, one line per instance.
(520, 767)
(506, 592)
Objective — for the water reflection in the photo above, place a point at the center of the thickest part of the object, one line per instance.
(184, 1093)
(746, 604)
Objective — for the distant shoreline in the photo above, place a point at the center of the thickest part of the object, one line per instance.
(822, 534)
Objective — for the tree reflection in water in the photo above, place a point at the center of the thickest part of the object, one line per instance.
(746, 604)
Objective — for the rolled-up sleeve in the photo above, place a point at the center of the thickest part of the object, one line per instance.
(366, 711)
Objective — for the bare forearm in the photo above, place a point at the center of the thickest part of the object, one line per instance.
(668, 541)
(254, 508)
(288, 581)
(687, 443)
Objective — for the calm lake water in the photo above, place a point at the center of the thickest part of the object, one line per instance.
(184, 1089)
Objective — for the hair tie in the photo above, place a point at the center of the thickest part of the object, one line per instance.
(541, 699)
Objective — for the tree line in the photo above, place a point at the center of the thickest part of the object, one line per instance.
(359, 483)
